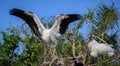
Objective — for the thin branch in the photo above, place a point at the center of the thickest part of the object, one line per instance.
(52, 61)
(100, 39)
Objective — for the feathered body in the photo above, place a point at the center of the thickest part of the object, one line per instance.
(97, 48)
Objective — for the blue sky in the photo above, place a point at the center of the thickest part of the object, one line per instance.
(47, 8)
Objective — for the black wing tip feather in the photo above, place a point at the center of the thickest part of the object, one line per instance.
(76, 16)
(73, 15)
(65, 22)
(15, 11)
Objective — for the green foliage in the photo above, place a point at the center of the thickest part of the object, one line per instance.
(8, 46)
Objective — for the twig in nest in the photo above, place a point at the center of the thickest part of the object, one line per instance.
(45, 63)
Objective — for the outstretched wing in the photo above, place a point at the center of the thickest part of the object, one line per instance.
(30, 18)
(63, 20)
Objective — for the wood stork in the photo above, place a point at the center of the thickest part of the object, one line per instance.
(97, 48)
(49, 35)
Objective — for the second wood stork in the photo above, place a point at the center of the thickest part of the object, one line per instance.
(97, 48)
(49, 35)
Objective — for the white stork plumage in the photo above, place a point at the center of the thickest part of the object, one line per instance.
(49, 35)
(97, 48)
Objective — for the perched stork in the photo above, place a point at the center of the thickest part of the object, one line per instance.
(97, 48)
(49, 35)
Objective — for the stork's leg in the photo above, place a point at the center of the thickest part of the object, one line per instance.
(53, 54)
(46, 56)
(45, 49)
(45, 52)
(53, 47)
(54, 50)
